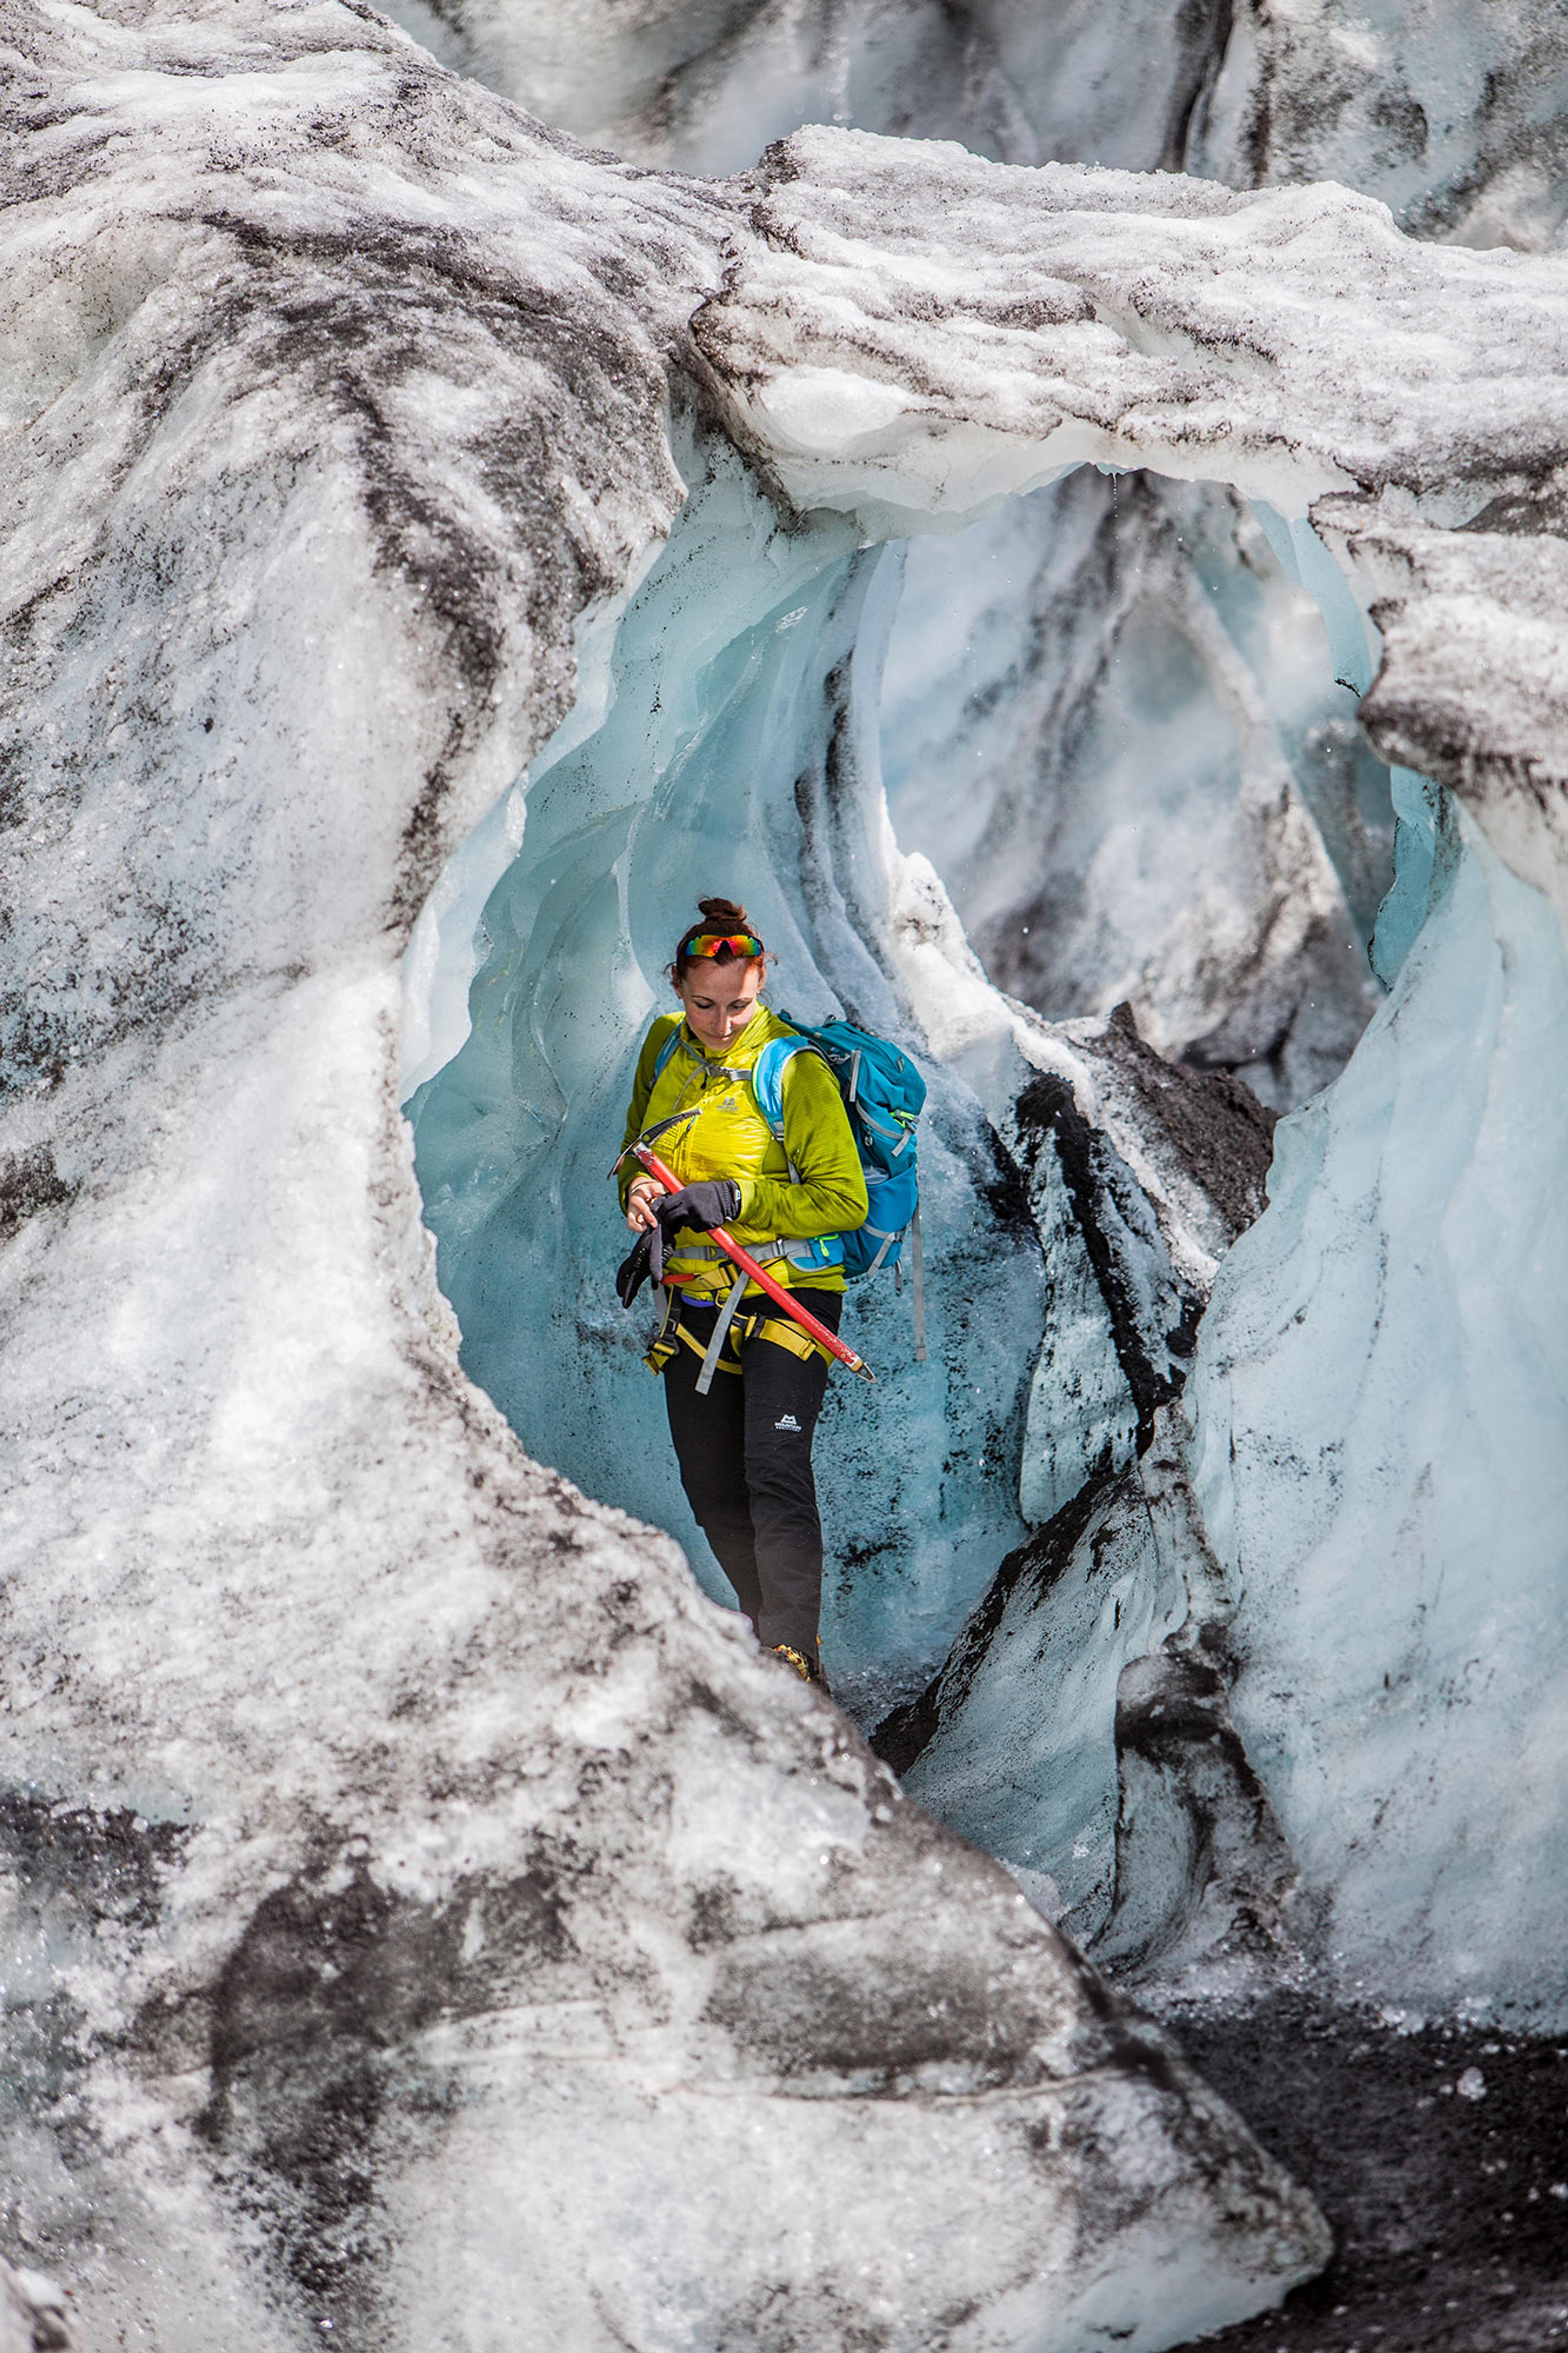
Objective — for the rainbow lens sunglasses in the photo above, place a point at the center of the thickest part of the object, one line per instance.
(713, 944)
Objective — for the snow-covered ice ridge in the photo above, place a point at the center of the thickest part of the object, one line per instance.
(916, 333)
(441, 1923)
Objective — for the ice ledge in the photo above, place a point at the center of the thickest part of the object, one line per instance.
(912, 333)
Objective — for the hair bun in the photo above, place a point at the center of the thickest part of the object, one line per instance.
(724, 914)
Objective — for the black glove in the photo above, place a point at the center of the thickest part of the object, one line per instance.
(638, 1265)
(701, 1207)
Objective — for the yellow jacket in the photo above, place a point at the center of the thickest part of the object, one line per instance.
(728, 1136)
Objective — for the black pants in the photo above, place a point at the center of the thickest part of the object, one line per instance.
(744, 1451)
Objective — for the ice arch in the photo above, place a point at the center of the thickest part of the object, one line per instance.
(868, 420)
(730, 716)
(729, 732)
(737, 750)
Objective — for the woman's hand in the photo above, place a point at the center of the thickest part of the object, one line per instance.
(644, 1192)
(716, 1201)
(656, 1216)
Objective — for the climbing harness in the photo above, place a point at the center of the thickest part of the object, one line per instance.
(727, 1326)
(755, 1273)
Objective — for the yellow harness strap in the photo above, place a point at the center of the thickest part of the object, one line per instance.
(724, 1365)
(669, 1335)
(782, 1330)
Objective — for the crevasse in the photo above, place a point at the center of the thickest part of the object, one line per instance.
(1346, 1350)
(737, 753)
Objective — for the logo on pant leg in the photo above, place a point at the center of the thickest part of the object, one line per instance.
(787, 1422)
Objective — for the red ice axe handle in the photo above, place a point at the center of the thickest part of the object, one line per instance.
(747, 1265)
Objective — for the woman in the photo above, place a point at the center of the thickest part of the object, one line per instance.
(743, 1443)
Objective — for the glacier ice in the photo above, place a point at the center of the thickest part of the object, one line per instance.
(407, 1864)
(735, 755)
(1140, 1178)
(1204, 363)
(1215, 363)
(1015, 1742)
(1450, 562)
(1458, 121)
(1379, 1408)
(1165, 799)
(1036, 1783)
(34, 2313)
(707, 89)
(1356, 1547)
(1455, 117)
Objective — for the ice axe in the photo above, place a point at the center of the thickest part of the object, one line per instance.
(777, 1292)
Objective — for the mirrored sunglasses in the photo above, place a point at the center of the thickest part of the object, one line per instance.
(713, 944)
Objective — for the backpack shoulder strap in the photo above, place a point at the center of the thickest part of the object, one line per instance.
(767, 1078)
(662, 1059)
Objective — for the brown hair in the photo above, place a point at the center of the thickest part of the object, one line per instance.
(718, 915)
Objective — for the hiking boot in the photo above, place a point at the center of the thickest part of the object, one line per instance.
(809, 1670)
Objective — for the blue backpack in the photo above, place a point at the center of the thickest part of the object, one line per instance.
(883, 1093)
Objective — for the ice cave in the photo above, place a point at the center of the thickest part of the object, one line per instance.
(1061, 509)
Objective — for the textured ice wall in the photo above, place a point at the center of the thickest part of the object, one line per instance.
(1405, 1581)
(1380, 1393)
(1063, 696)
(1122, 357)
(735, 755)
(1456, 118)
(1013, 1743)
(411, 1868)
(1110, 719)
(1454, 115)
(707, 89)
(1018, 1742)
(1379, 1400)
(870, 347)
(34, 2313)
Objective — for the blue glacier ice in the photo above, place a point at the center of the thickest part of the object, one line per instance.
(1379, 1400)
(729, 740)
(1224, 854)
(1370, 1451)
(1090, 700)
(1024, 1762)
(736, 752)
(1423, 842)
